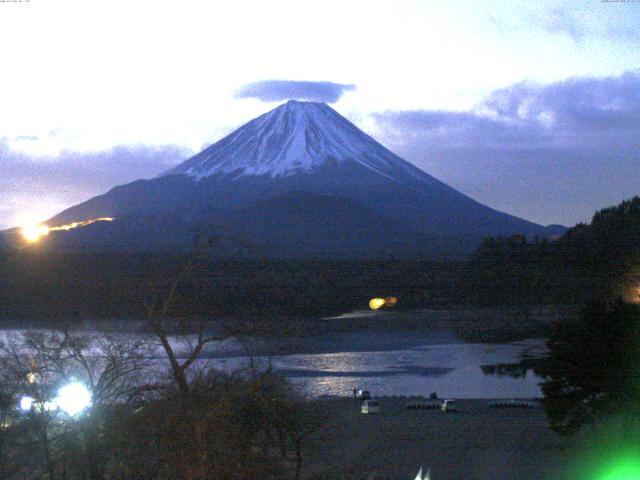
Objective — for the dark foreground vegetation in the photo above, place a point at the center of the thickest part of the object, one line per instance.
(592, 372)
(142, 424)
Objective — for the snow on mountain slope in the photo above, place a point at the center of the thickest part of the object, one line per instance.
(296, 137)
(336, 188)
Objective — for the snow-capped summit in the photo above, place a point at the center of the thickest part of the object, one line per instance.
(298, 181)
(292, 138)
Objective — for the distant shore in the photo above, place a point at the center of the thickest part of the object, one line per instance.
(293, 334)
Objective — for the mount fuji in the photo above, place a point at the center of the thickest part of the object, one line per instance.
(298, 181)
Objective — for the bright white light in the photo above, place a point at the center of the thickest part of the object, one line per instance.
(73, 398)
(33, 233)
(26, 403)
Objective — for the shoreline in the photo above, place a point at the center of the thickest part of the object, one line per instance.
(407, 398)
(463, 324)
(374, 340)
(476, 442)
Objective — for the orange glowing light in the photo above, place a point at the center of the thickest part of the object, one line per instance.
(34, 232)
(390, 301)
(376, 303)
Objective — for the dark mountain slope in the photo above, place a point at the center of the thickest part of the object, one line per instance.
(301, 147)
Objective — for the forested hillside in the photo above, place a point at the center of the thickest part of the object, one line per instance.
(39, 285)
(590, 261)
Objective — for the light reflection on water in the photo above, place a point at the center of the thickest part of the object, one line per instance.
(409, 367)
(452, 370)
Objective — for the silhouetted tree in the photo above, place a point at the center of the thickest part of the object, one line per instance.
(589, 262)
(161, 294)
(225, 427)
(45, 442)
(593, 367)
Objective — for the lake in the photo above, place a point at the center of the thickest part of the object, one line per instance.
(404, 363)
(388, 363)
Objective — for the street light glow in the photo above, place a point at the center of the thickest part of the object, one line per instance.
(390, 301)
(73, 398)
(34, 232)
(26, 403)
(376, 303)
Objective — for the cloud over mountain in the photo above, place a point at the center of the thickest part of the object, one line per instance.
(531, 144)
(277, 90)
(40, 186)
(537, 113)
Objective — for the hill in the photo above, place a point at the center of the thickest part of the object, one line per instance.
(590, 261)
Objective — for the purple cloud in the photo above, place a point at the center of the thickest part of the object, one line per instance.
(72, 177)
(277, 90)
(550, 153)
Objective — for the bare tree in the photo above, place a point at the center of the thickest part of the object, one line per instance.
(36, 364)
(159, 297)
(298, 421)
(157, 310)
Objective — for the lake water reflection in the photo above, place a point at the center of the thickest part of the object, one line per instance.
(388, 363)
(452, 370)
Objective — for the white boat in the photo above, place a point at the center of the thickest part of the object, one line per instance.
(427, 476)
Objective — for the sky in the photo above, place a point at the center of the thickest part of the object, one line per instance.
(532, 108)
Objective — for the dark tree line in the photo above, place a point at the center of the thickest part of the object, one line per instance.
(592, 372)
(54, 286)
(597, 261)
